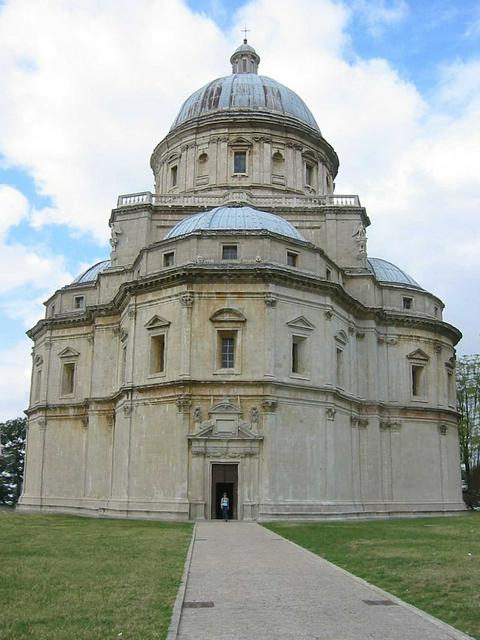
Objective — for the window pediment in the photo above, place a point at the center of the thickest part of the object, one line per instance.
(301, 323)
(68, 352)
(227, 315)
(419, 355)
(157, 322)
(341, 337)
(240, 142)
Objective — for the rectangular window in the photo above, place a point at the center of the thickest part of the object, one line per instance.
(240, 162)
(298, 354)
(173, 176)
(157, 354)
(68, 378)
(229, 252)
(124, 364)
(451, 388)
(339, 368)
(228, 352)
(417, 380)
(407, 303)
(169, 259)
(52, 310)
(328, 274)
(292, 259)
(308, 174)
(38, 385)
(435, 311)
(79, 302)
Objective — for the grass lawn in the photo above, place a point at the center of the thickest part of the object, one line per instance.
(80, 578)
(432, 563)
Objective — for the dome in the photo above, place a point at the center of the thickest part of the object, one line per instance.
(92, 272)
(234, 219)
(387, 272)
(245, 91)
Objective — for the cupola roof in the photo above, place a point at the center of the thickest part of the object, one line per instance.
(245, 90)
(235, 219)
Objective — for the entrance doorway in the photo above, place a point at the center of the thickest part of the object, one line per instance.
(224, 480)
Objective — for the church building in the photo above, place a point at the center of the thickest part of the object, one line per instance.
(240, 339)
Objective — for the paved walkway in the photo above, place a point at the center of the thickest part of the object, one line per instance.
(246, 582)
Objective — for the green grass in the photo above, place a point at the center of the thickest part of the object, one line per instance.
(64, 577)
(432, 563)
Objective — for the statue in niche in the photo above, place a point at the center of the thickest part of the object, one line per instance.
(360, 236)
(116, 232)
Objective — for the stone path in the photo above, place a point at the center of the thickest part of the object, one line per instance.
(246, 582)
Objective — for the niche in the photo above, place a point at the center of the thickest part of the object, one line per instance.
(278, 168)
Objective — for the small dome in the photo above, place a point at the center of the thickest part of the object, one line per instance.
(387, 272)
(235, 219)
(245, 91)
(245, 48)
(92, 272)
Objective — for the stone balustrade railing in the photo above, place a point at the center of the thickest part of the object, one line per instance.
(238, 197)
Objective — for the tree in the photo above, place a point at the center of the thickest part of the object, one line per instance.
(12, 455)
(468, 397)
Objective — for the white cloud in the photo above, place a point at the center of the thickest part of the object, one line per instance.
(88, 91)
(13, 208)
(378, 14)
(15, 364)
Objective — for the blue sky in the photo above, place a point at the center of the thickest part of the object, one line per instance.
(90, 91)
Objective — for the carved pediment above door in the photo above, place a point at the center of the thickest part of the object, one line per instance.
(225, 423)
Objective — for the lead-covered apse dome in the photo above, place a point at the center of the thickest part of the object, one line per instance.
(235, 219)
(245, 90)
(385, 271)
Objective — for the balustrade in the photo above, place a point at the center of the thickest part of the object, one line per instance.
(271, 202)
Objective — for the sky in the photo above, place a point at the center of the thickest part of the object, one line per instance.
(89, 88)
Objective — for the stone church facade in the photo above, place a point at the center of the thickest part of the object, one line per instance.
(240, 339)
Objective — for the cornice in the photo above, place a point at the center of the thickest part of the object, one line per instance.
(189, 274)
(259, 387)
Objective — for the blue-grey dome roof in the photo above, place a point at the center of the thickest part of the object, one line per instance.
(233, 219)
(92, 272)
(247, 91)
(387, 272)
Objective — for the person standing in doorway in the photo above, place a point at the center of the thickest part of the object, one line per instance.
(224, 504)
